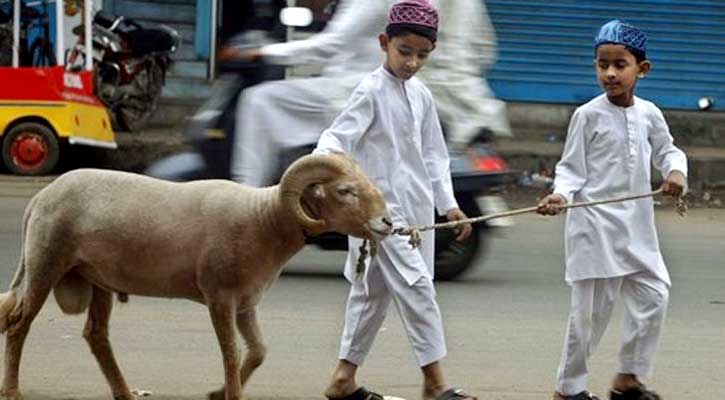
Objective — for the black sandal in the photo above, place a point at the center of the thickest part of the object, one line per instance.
(360, 394)
(455, 394)
(638, 392)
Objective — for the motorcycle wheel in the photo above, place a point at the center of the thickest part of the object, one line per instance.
(134, 112)
(30, 149)
(453, 258)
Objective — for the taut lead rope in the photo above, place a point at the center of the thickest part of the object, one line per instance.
(416, 239)
(414, 232)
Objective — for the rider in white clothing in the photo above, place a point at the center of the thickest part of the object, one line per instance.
(279, 115)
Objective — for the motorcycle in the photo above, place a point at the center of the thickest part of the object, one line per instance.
(476, 170)
(131, 62)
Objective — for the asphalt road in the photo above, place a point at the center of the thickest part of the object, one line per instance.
(504, 324)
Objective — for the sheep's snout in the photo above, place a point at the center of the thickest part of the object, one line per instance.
(379, 227)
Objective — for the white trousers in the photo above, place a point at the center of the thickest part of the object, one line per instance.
(417, 308)
(645, 299)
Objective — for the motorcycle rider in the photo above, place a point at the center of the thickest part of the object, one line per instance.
(284, 114)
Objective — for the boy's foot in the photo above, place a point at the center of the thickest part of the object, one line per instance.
(638, 392)
(359, 394)
(579, 396)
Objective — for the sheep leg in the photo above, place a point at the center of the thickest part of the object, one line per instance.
(33, 298)
(96, 334)
(222, 317)
(248, 326)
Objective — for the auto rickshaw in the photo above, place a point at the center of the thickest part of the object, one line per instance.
(45, 109)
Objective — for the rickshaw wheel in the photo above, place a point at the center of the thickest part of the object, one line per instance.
(30, 148)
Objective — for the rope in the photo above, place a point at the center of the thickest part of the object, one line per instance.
(360, 268)
(414, 232)
(416, 239)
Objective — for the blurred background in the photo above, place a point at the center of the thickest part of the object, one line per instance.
(542, 70)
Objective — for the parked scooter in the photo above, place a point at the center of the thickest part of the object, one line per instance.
(131, 62)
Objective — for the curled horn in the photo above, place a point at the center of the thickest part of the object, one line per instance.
(306, 171)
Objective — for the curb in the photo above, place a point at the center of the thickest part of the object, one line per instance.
(136, 151)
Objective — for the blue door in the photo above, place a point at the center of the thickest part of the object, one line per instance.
(546, 54)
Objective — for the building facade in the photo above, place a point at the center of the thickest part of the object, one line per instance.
(545, 46)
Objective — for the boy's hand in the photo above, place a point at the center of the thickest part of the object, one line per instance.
(464, 231)
(551, 204)
(674, 184)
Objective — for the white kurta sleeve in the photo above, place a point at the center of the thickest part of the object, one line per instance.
(571, 170)
(351, 21)
(437, 161)
(349, 126)
(666, 157)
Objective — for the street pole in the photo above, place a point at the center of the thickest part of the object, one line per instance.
(59, 39)
(211, 74)
(88, 33)
(16, 33)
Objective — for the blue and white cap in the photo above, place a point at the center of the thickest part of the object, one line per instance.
(618, 32)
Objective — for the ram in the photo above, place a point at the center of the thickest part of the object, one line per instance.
(92, 233)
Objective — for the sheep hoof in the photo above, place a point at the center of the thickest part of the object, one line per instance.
(219, 395)
(10, 394)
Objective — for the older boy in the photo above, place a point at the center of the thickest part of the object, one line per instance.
(612, 250)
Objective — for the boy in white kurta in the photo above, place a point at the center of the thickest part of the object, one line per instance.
(391, 128)
(612, 250)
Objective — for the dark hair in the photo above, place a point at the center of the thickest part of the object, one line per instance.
(639, 55)
(393, 30)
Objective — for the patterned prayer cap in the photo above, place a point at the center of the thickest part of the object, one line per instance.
(414, 12)
(618, 32)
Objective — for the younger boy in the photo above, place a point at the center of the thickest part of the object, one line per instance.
(391, 128)
(612, 250)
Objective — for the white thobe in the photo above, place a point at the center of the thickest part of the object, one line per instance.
(612, 250)
(279, 115)
(608, 153)
(390, 127)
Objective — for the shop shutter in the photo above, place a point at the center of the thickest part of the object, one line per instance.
(546, 53)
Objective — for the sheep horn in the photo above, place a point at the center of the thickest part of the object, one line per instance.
(308, 170)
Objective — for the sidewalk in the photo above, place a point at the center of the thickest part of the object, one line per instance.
(137, 150)
(707, 164)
